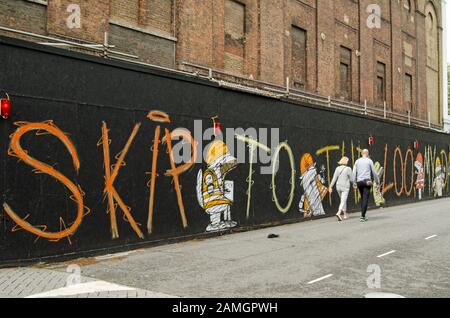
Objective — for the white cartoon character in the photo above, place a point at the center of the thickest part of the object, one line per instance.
(377, 191)
(214, 193)
(438, 179)
(420, 172)
(313, 185)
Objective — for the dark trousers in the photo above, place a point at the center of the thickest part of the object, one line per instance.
(364, 190)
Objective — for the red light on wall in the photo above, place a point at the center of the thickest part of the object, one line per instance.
(217, 128)
(416, 144)
(5, 107)
(371, 141)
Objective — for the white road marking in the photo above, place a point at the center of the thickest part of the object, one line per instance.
(320, 279)
(84, 288)
(386, 254)
(382, 295)
(430, 237)
(94, 287)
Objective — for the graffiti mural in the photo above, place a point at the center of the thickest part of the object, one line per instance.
(420, 173)
(111, 175)
(400, 175)
(287, 148)
(214, 193)
(159, 117)
(377, 187)
(174, 171)
(313, 184)
(16, 150)
(438, 178)
(128, 162)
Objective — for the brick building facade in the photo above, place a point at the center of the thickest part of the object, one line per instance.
(379, 51)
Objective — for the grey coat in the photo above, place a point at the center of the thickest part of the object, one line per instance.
(342, 178)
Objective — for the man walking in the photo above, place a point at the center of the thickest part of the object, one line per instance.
(364, 174)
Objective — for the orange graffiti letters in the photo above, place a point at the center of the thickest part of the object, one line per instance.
(40, 167)
(110, 177)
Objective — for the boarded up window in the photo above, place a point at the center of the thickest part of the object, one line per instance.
(408, 52)
(381, 83)
(234, 26)
(345, 72)
(432, 38)
(408, 92)
(125, 10)
(160, 14)
(298, 57)
(433, 73)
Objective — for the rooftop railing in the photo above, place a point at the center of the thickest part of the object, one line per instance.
(235, 81)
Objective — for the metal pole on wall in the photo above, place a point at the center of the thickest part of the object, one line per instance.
(105, 44)
(210, 73)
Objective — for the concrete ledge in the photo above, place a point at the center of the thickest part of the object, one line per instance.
(43, 2)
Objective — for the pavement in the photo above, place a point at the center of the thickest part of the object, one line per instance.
(401, 251)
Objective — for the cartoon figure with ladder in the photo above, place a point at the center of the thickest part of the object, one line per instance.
(214, 193)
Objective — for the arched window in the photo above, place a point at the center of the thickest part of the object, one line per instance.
(407, 5)
(432, 66)
(431, 33)
(429, 22)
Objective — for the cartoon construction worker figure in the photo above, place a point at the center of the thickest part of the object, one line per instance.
(313, 186)
(214, 193)
(420, 172)
(377, 192)
(438, 179)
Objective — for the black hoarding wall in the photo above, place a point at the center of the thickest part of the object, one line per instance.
(86, 138)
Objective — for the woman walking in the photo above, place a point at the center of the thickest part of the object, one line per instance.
(342, 178)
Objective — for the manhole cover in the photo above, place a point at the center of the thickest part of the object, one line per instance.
(382, 295)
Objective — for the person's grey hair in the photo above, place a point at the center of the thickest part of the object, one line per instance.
(365, 152)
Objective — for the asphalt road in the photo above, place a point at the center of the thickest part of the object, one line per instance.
(409, 246)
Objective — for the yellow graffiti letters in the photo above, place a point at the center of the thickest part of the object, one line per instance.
(275, 159)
